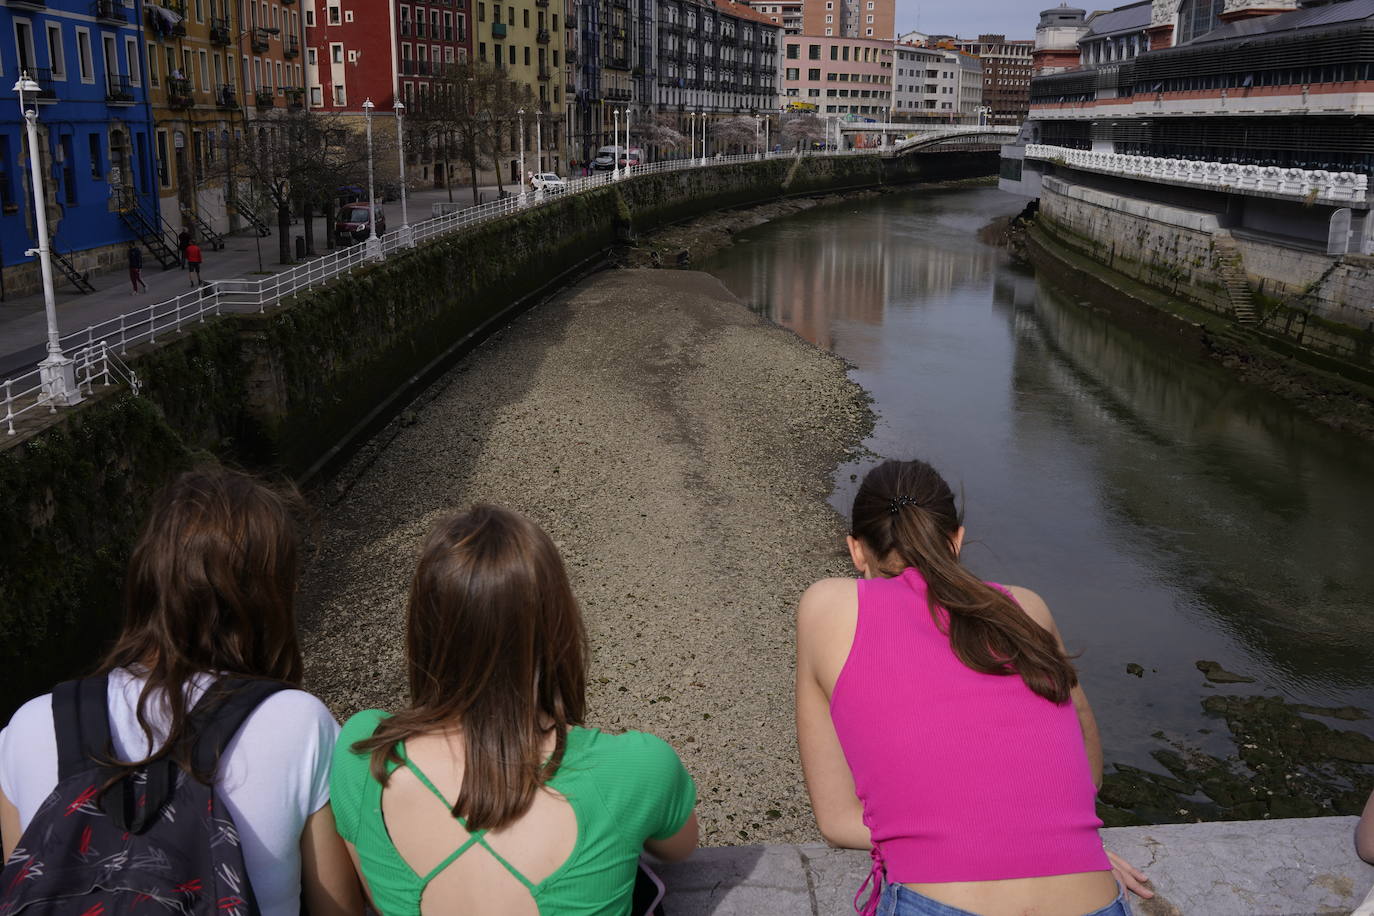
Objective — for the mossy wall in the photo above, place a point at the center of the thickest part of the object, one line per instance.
(275, 392)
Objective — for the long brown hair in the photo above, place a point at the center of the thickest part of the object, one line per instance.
(211, 589)
(905, 515)
(495, 646)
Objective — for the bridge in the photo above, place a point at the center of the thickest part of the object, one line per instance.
(912, 137)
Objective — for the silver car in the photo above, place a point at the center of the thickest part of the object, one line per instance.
(548, 182)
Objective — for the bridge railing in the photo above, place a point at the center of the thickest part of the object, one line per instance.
(92, 348)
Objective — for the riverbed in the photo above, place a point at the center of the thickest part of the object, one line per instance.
(1169, 513)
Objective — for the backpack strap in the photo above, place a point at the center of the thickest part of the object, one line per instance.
(81, 721)
(220, 713)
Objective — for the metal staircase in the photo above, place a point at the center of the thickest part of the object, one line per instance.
(148, 231)
(203, 230)
(78, 279)
(1232, 272)
(248, 216)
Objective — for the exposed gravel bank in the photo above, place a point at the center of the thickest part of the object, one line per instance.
(679, 450)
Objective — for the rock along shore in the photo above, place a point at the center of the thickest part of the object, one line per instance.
(679, 450)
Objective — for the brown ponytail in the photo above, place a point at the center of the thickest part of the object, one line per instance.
(905, 515)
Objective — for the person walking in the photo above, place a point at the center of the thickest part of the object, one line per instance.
(136, 268)
(193, 259)
(183, 240)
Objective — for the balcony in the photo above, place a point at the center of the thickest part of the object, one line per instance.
(570, 22)
(291, 47)
(227, 97)
(542, 36)
(617, 63)
(295, 99)
(119, 91)
(265, 98)
(571, 56)
(261, 40)
(29, 4)
(219, 32)
(179, 92)
(541, 2)
(109, 11)
(498, 30)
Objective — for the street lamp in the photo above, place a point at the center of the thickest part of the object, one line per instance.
(520, 135)
(692, 149)
(539, 145)
(400, 108)
(627, 142)
(758, 150)
(56, 372)
(615, 141)
(374, 244)
(702, 160)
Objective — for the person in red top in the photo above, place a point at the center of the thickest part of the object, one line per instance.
(193, 259)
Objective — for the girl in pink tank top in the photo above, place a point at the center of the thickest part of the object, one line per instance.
(942, 727)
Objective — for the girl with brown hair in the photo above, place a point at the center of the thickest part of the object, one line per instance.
(942, 727)
(209, 601)
(486, 794)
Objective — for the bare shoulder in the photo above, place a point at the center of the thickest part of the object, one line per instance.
(826, 597)
(1034, 606)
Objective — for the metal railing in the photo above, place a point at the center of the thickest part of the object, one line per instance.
(98, 350)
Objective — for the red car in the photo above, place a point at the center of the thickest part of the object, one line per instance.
(353, 224)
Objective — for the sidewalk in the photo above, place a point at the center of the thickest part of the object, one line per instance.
(1298, 867)
(23, 326)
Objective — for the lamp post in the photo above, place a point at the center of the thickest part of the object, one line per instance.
(374, 244)
(400, 108)
(692, 148)
(539, 151)
(702, 160)
(767, 143)
(56, 372)
(520, 135)
(758, 150)
(615, 142)
(627, 142)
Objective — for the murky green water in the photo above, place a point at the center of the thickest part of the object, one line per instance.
(1166, 512)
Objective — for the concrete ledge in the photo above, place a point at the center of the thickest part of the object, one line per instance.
(1298, 867)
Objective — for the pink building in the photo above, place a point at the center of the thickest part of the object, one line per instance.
(840, 76)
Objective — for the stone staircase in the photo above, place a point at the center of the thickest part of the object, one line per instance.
(1231, 269)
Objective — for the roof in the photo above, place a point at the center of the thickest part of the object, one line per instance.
(744, 11)
(1333, 14)
(1123, 19)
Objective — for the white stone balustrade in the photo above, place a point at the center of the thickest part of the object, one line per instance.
(1315, 185)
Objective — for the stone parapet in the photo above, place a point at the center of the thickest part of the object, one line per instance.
(1297, 867)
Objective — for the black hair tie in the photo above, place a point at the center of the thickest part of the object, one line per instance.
(894, 506)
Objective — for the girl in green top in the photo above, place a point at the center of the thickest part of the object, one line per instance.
(486, 795)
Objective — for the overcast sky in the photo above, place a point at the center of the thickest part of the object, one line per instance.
(970, 18)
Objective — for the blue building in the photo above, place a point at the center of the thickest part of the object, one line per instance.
(94, 122)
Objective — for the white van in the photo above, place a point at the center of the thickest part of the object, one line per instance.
(607, 157)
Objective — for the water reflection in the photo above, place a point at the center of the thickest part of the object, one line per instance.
(1167, 513)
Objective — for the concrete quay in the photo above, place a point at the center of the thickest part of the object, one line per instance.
(1295, 867)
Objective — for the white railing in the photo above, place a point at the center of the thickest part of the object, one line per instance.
(1304, 184)
(95, 349)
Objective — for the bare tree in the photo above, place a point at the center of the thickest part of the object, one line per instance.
(470, 116)
(738, 132)
(803, 130)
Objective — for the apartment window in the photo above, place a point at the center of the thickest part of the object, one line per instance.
(310, 57)
(131, 60)
(813, 75)
(310, 22)
(792, 74)
(512, 55)
(334, 16)
(164, 175)
(55, 60)
(316, 97)
(527, 55)
(336, 52)
(814, 52)
(482, 51)
(204, 71)
(152, 65)
(93, 143)
(526, 21)
(870, 19)
(340, 98)
(793, 51)
(84, 55)
(498, 53)
(829, 19)
(482, 12)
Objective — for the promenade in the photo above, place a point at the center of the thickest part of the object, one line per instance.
(23, 327)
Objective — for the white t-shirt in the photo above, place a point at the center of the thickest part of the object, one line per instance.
(274, 774)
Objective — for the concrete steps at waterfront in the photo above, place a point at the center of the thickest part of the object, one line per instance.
(1294, 867)
(1231, 269)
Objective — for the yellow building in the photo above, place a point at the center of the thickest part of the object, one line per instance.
(525, 39)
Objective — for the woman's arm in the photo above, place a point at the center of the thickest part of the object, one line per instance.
(9, 827)
(329, 884)
(678, 846)
(1037, 610)
(826, 618)
(1364, 831)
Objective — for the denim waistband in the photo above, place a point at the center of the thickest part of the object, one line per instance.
(897, 900)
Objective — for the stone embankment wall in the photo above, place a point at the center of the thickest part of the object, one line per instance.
(286, 391)
(1309, 302)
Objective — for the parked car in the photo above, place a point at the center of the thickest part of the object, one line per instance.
(353, 225)
(631, 157)
(606, 158)
(548, 182)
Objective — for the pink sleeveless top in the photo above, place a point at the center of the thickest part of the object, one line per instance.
(963, 776)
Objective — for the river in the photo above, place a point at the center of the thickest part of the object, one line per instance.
(1167, 512)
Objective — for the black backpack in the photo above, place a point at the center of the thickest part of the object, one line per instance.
(156, 842)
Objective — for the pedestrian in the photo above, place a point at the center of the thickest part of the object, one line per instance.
(136, 268)
(183, 239)
(193, 259)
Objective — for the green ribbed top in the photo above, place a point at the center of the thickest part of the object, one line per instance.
(624, 789)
